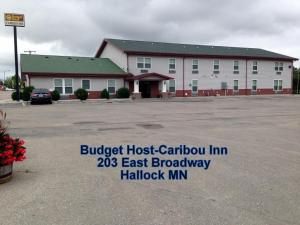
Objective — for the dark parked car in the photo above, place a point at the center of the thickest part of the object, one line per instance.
(41, 95)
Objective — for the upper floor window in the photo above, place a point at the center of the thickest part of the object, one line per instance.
(216, 65)
(143, 62)
(172, 64)
(195, 65)
(236, 66)
(278, 66)
(255, 66)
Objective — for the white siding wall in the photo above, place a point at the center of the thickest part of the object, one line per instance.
(97, 84)
(208, 80)
(159, 65)
(116, 55)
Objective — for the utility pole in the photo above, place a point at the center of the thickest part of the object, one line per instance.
(4, 74)
(298, 81)
(30, 51)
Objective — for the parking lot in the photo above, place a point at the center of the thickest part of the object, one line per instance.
(256, 183)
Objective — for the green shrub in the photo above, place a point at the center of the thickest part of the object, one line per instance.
(14, 96)
(27, 92)
(55, 95)
(123, 93)
(81, 94)
(104, 94)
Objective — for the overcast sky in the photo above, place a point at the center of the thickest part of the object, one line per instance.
(77, 27)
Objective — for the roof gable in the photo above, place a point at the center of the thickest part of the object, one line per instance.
(162, 48)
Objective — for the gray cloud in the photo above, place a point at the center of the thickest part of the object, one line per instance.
(77, 27)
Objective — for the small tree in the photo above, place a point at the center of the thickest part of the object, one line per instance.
(104, 94)
(123, 92)
(14, 96)
(55, 95)
(81, 94)
(27, 92)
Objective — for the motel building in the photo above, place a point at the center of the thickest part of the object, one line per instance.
(156, 69)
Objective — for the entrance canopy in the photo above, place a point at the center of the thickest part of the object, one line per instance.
(150, 76)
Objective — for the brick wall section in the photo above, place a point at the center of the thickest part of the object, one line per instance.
(92, 95)
(229, 92)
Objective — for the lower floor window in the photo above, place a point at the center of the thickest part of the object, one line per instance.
(171, 85)
(235, 85)
(277, 85)
(86, 84)
(194, 86)
(63, 85)
(111, 86)
(254, 85)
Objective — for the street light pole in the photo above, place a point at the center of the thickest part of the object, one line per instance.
(298, 81)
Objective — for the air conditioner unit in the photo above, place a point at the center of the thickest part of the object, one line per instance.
(144, 71)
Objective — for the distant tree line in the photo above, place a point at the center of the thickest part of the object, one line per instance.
(296, 81)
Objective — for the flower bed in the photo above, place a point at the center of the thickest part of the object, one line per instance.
(11, 150)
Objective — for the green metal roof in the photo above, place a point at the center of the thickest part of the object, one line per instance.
(68, 64)
(131, 46)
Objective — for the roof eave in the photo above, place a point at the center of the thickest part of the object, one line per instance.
(54, 74)
(208, 56)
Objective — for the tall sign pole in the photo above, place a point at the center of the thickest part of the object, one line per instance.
(15, 20)
(16, 64)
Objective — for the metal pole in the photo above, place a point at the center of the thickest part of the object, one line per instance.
(16, 63)
(298, 81)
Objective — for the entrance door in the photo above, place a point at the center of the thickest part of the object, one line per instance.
(145, 89)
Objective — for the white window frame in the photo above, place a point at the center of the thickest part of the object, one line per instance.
(89, 85)
(193, 64)
(277, 85)
(255, 70)
(144, 63)
(238, 65)
(238, 88)
(174, 86)
(278, 66)
(64, 85)
(194, 92)
(255, 85)
(216, 65)
(68, 86)
(114, 87)
(173, 69)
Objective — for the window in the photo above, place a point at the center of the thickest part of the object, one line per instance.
(254, 85)
(171, 85)
(86, 84)
(172, 64)
(111, 86)
(235, 85)
(278, 66)
(143, 63)
(194, 86)
(64, 86)
(58, 85)
(277, 85)
(195, 64)
(216, 65)
(68, 86)
(255, 67)
(236, 66)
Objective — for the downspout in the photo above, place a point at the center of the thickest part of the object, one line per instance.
(183, 76)
(246, 76)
